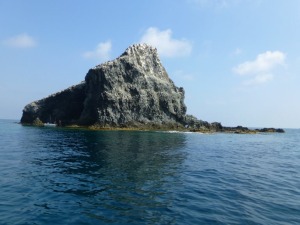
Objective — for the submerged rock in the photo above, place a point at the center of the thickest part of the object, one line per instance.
(271, 130)
(131, 91)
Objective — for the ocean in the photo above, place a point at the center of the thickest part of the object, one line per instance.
(73, 176)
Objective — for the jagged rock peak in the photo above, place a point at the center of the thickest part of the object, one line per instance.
(141, 50)
(142, 57)
(146, 58)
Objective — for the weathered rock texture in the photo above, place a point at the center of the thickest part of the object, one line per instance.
(65, 106)
(132, 90)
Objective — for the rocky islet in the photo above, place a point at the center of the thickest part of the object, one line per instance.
(133, 91)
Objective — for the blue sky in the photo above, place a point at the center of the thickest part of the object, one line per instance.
(238, 60)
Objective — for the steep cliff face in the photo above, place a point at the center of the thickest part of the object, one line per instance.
(131, 90)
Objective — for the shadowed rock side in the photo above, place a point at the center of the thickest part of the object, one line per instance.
(64, 107)
(131, 91)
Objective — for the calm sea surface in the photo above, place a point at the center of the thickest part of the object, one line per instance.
(64, 176)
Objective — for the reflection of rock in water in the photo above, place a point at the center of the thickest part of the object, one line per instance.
(139, 167)
(114, 173)
(136, 157)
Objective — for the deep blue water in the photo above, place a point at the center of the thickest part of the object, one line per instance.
(64, 176)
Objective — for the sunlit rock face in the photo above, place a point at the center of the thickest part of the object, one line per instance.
(132, 90)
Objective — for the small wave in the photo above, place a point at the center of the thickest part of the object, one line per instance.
(179, 132)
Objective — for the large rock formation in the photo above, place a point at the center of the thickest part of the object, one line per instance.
(130, 91)
(133, 90)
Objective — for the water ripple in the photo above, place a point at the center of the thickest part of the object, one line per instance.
(60, 176)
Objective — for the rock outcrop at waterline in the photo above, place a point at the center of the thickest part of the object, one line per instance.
(195, 125)
(131, 91)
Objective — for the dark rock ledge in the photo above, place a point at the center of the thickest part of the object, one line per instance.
(195, 125)
(133, 91)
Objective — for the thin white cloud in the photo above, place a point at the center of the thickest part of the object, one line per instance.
(261, 70)
(20, 41)
(218, 4)
(259, 79)
(184, 76)
(165, 44)
(101, 52)
(237, 51)
(264, 62)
